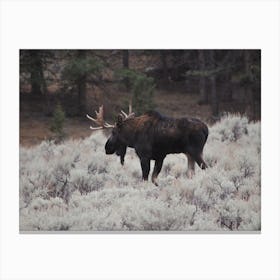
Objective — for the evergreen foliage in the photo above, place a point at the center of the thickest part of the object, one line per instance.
(142, 90)
(57, 123)
(79, 66)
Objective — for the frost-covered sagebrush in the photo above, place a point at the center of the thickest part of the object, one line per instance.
(76, 186)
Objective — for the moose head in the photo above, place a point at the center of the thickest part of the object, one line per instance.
(114, 143)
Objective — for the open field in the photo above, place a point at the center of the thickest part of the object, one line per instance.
(75, 186)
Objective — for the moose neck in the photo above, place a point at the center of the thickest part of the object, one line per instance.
(128, 133)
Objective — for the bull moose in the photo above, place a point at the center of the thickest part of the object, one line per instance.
(153, 136)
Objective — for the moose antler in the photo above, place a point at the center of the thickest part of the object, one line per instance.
(99, 120)
(130, 114)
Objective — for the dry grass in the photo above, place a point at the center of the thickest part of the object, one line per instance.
(75, 186)
(181, 105)
(33, 132)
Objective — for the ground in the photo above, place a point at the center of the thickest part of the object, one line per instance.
(74, 186)
(35, 129)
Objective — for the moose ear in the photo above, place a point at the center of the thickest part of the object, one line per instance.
(119, 120)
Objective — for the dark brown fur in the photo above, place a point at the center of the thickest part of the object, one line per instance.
(153, 136)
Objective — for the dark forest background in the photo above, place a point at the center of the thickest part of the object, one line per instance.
(58, 87)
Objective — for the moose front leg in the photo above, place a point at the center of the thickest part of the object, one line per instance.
(145, 165)
(191, 162)
(157, 169)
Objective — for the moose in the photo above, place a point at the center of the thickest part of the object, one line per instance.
(153, 136)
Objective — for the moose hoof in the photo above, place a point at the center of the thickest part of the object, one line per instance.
(203, 166)
(154, 181)
(190, 174)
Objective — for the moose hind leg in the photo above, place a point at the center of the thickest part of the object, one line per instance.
(145, 165)
(156, 171)
(190, 171)
(201, 163)
(196, 154)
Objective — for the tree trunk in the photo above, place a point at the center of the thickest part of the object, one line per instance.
(36, 73)
(214, 95)
(228, 87)
(202, 92)
(248, 85)
(82, 96)
(81, 83)
(164, 66)
(125, 59)
(35, 84)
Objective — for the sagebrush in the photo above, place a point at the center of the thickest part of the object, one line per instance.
(75, 186)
